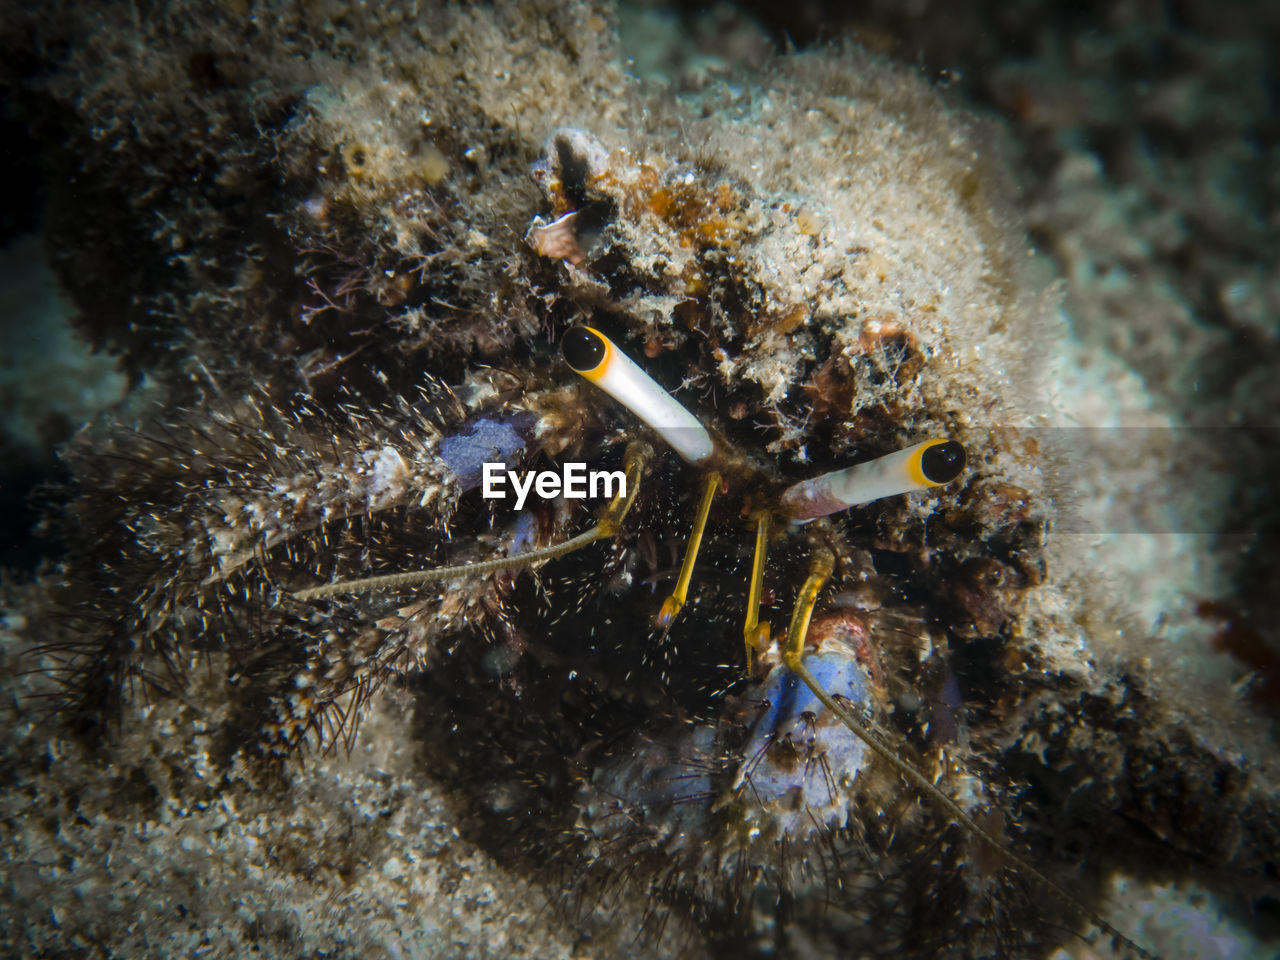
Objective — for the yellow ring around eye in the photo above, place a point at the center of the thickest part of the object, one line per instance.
(598, 372)
(914, 469)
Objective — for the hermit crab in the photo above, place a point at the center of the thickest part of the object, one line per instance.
(830, 449)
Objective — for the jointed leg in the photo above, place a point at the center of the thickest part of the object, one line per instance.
(755, 635)
(671, 606)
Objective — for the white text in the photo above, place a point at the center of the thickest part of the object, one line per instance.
(574, 481)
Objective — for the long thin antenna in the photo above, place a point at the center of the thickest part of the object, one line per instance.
(607, 526)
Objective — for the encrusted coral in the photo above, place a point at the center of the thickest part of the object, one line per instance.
(346, 290)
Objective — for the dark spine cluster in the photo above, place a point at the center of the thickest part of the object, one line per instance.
(186, 534)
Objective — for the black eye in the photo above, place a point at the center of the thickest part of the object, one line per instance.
(584, 349)
(942, 462)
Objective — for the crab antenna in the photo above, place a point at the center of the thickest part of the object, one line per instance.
(821, 565)
(593, 355)
(607, 526)
(672, 605)
(919, 467)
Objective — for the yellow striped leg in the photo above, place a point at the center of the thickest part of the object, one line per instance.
(671, 606)
(755, 634)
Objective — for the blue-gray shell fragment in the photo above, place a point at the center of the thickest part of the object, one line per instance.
(485, 441)
(800, 760)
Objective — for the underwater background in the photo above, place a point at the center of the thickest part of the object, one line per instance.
(214, 202)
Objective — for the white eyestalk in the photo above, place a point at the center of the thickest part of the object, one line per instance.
(592, 354)
(919, 467)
